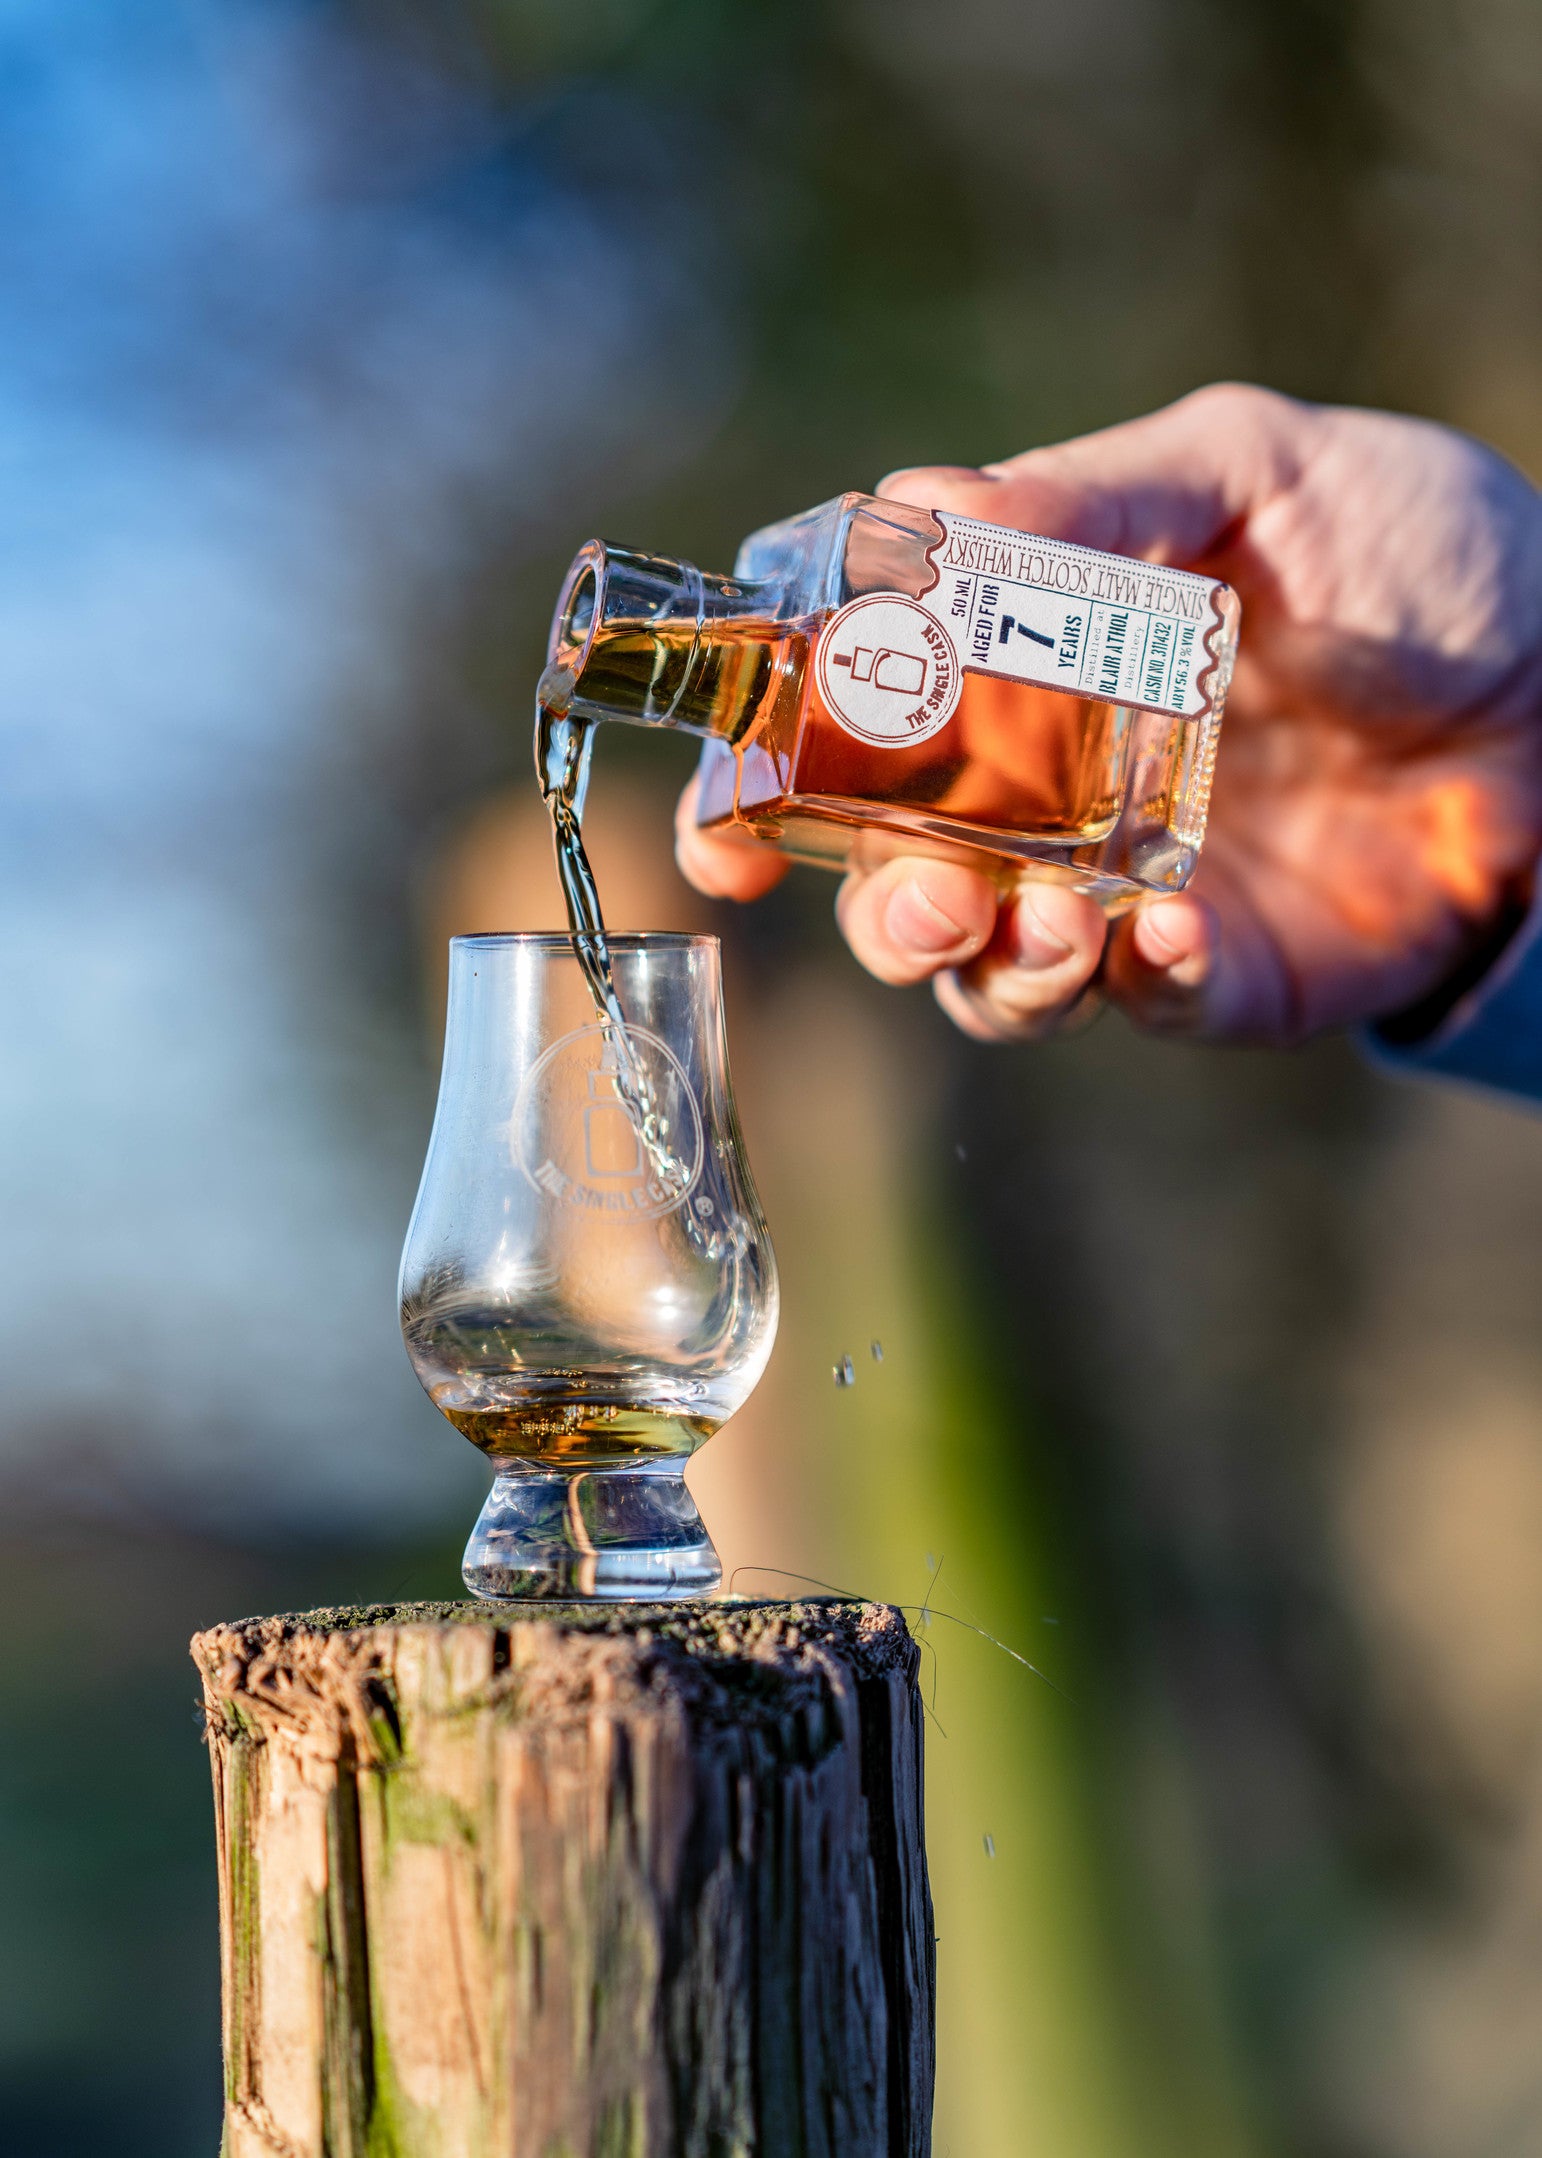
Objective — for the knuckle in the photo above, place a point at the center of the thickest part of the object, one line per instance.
(1005, 1004)
(1243, 405)
(891, 970)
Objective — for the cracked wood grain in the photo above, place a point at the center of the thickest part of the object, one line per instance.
(639, 1883)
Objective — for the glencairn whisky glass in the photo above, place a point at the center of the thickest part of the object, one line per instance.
(587, 1292)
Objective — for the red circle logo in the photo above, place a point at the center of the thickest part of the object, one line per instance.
(888, 670)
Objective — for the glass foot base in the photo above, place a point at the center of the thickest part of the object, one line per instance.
(616, 1535)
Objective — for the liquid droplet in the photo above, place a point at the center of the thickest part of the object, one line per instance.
(877, 1349)
(845, 1372)
(555, 688)
(960, 1150)
(990, 1846)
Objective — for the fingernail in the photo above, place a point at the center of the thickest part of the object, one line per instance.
(1037, 944)
(1169, 940)
(903, 475)
(914, 919)
(1193, 972)
(1164, 943)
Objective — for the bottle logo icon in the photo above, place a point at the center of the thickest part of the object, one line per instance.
(900, 673)
(574, 1136)
(612, 1147)
(888, 671)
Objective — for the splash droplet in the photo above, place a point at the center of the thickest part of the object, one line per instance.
(960, 1150)
(876, 1346)
(990, 1846)
(845, 1372)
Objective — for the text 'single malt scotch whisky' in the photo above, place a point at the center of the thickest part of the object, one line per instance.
(877, 680)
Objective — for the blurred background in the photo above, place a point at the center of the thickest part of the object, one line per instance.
(1211, 1383)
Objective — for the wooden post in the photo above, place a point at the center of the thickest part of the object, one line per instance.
(572, 1882)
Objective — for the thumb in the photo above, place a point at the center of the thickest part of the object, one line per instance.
(1204, 967)
(1171, 487)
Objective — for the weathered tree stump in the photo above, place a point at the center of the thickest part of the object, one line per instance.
(645, 1882)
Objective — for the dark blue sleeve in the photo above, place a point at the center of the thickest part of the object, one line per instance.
(1493, 1034)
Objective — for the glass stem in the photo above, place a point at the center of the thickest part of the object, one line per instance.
(622, 1533)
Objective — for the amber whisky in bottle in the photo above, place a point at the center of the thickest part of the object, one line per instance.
(877, 680)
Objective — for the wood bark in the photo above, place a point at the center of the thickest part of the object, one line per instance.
(646, 1882)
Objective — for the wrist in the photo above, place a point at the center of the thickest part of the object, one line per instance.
(1491, 1035)
(1482, 849)
(1419, 1022)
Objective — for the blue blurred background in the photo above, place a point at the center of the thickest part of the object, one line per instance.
(1212, 1383)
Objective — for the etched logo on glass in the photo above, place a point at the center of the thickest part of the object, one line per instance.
(575, 1137)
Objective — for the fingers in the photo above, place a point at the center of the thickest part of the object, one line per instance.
(1184, 966)
(1179, 966)
(1161, 963)
(1172, 486)
(1004, 973)
(1022, 970)
(723, 868)
(911, 918)
(1035, 973)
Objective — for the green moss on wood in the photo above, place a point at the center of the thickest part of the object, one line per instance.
(412, 1813)
(397, 2128)
(622, 2129)
(243, 1767)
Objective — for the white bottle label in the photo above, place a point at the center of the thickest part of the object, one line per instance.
(1099, 625)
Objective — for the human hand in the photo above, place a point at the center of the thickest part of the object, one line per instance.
(1377, 813)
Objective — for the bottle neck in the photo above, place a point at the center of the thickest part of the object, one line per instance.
(640, 638)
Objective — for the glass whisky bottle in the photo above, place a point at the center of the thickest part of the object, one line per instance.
(876, 680)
